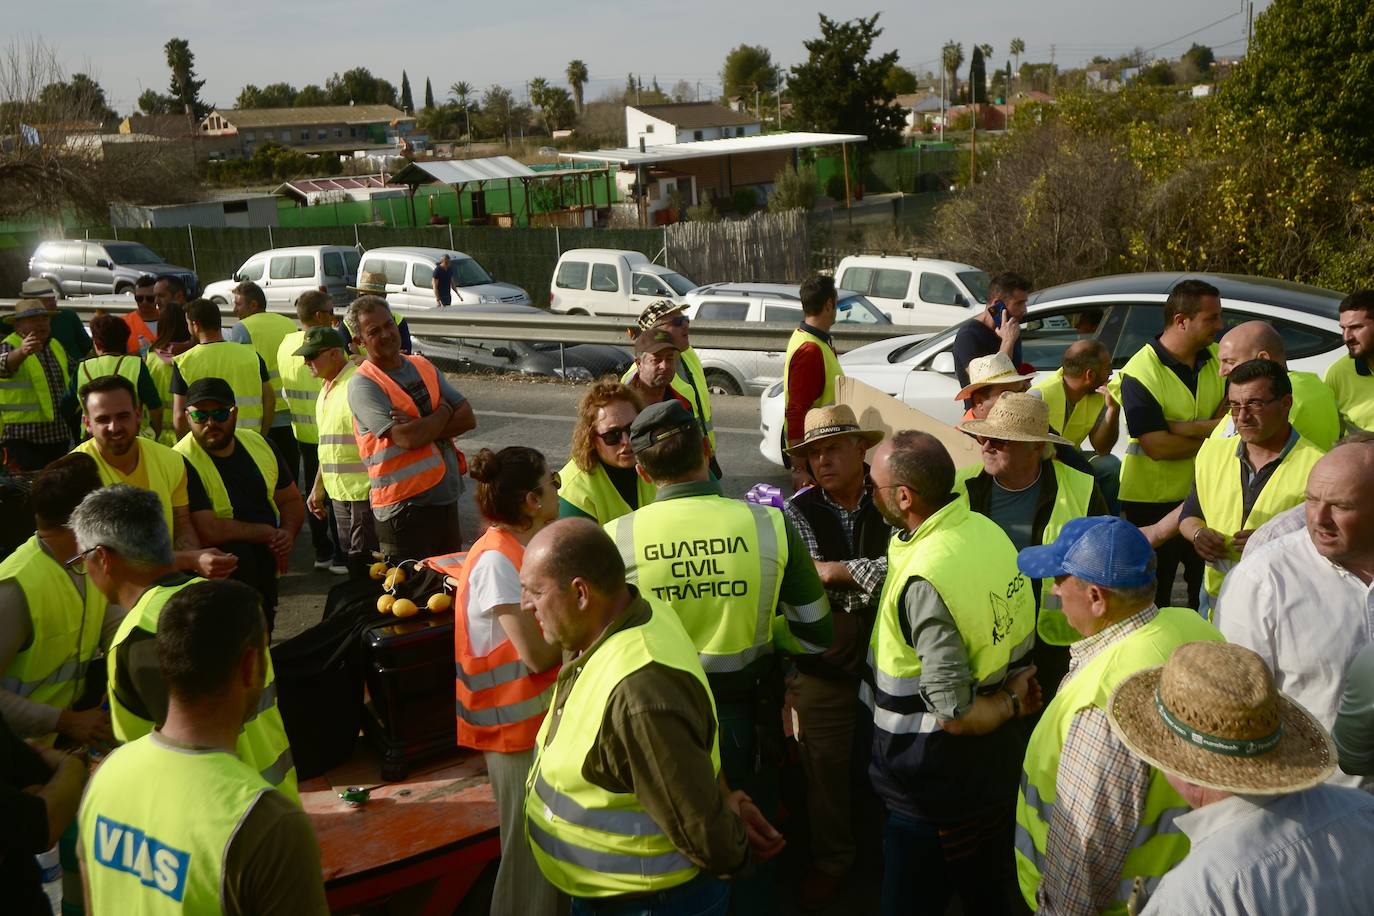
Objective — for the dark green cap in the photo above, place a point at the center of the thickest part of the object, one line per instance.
(660, 421)
(317, 340)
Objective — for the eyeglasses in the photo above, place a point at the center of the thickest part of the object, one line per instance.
(1254, 405)
(613, 435)
(148, 298)
(77, 564)
(219, 415)
(678, 321)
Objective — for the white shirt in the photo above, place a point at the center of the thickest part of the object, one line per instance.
(1306, 617)
(493, 581)
(1307, 852)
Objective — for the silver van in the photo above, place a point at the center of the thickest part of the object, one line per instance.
(410, 278)
(94, 267)
(285, 273)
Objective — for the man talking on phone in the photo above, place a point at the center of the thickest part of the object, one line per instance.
(996, 329)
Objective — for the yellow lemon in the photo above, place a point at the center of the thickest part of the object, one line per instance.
(377, 570)
(404, 607)
(384, 603)
(440, 602)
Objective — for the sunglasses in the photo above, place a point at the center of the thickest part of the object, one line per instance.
(148, 298)
(613, 435)
(678, 321)
(219, 415)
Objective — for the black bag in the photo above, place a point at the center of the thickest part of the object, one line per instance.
(319, 677)
(409, 674)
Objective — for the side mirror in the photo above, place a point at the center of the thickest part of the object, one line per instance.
(503, 353)
(960, 301)
(943, 363)
(238, 278)
(102, 262)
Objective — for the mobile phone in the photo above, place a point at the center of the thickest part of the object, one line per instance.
(998, 309)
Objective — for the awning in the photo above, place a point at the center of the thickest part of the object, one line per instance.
(462, 171)
(702, 149)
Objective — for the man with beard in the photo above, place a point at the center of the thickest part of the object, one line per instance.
(1352, 380)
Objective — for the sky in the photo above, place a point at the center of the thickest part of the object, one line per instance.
(304, 41)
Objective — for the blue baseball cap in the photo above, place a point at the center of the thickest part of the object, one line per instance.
(1101, 549)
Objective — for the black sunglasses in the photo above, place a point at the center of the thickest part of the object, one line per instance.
(613, 435)
(148, 298)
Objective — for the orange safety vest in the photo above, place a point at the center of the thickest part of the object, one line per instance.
(396, 473)
(138, 330)
(501, 703)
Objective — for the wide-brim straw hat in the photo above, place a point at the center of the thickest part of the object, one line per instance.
(371, 283)
(997, 369)
(835, 420)
(1228, 727)
(30, 308)
(1016, 417)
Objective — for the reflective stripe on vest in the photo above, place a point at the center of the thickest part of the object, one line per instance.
(25, 396)
(259, 449)
(500, 703)
(262, 742)
(593, 493)
(1219, 493)
(156, 825)
(236, 364)
(832, 366)
(1157, 845)
(1144, 479)
(718, 562)
(587, 841)
(299, 387)
(65, 627)
(341, 467)
(972, 565)
(398, 474)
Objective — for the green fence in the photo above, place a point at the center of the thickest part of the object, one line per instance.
(910, 170)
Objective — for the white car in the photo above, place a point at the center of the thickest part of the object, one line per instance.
(1123, 311)
(610, 281)
(285, 273)
(922, 292)
(410, 278)
(751, 371)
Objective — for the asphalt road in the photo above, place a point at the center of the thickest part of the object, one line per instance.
(540, 414)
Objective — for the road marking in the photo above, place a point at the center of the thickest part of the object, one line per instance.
(737, 430)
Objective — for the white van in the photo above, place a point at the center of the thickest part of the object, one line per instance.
(410, 278)
(285, 273)
(923, 292)
(607, 281)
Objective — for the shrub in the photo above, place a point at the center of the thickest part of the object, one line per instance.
(793, 189)
(834, 187)
(744, 201)
(703, 212)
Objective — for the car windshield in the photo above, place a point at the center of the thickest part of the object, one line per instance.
(678, 283)
(977, 283)
(467, 272)
(132, 254)
(858, 310)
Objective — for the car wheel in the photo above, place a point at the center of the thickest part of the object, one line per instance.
(123, 288)
(219, 301)
(56, 285)
(721, 382)
(582, 312)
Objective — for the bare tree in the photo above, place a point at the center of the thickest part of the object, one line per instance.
(50, 161)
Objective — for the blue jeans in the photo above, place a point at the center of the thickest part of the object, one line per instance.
(702, 896)
(922, 870)
(1107, 473)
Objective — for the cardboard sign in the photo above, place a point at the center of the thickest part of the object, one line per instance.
(876, 410)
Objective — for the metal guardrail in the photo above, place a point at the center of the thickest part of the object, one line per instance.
(455, 322)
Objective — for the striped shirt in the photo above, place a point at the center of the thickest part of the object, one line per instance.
(56, 431)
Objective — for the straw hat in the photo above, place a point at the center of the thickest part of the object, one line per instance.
(371, 283)
(997, 369)
(1016, 417)
(835, 420)
(30, 308)
(1212, 716)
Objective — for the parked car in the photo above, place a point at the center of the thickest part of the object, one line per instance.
(577, 362)
(750, 371)
(607, 281)
(1122, 311)
(917, 291)
(410, 278)
(285, 273)
(86, 267)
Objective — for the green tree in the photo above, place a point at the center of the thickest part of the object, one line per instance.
(407, 103)
(554, 103)
(429, 94)
(749, 69)
(1017, 48)
(793, 189)
(1157, 74)
(79, 98)
(952, 58)
(900, 80)
(499, 113)
(577, 78)
(152, 102)
(359, 87)
(185, 88)
(1200, 58)
(273, 95)
(841, 88)
(311, 96)
(977, 77)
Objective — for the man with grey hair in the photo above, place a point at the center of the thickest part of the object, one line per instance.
(405, 417)
(126, 550)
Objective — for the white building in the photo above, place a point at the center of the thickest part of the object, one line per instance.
(685, 122)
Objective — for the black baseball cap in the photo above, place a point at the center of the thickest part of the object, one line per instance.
(660, 421)
(210, 389)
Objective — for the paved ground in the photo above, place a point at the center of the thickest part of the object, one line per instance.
(539, 414)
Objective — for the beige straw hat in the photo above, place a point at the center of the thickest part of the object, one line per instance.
(1016, 417)
(1212, 716)
(997, 369)
(371, 283)
(828, 422)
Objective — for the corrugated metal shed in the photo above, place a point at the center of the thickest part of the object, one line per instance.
(462, 171)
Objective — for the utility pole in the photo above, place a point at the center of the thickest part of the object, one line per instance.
(973, 146)
(1249, 26)
(1051, 69)
(942, 102)
(781, 80)
(698, 90)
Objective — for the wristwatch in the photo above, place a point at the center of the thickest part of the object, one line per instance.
(1015, 703)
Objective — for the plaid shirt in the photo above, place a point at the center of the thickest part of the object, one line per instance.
(55, 432)
(868, 574)
(1100, 798)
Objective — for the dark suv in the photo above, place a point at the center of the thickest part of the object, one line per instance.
(100, 266)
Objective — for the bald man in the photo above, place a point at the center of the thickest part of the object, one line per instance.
(1083, 409)
(1314, 414)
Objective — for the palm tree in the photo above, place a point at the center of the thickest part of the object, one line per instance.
(951, 58)
(461, 92)
(577, 78)
(537, 91)
(1017, 48)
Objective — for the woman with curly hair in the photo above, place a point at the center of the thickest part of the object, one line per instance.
(599, 480)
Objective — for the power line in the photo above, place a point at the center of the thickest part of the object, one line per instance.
(1195, 31)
